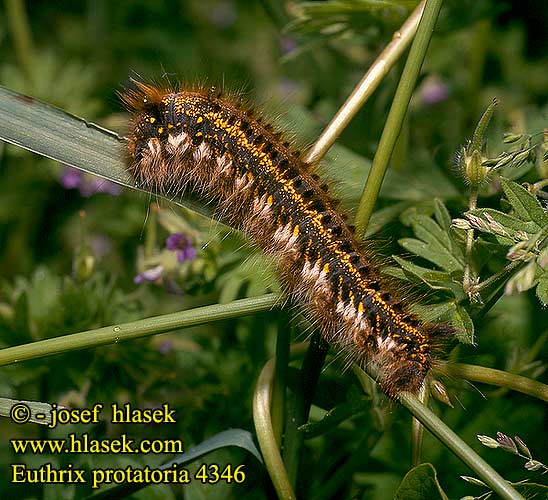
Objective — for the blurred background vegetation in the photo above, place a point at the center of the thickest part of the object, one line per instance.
(77, 253)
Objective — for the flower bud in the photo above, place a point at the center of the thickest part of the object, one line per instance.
(470, 159)
(474, 171)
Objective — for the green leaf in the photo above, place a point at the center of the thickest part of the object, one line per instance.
(443, 217)
(542, 288)
(34, 409)
(433, 313)
(463, 324)
(436, 243)
(232, 437)
(434, 253)
(436, 280)
(450, 312)
(526, 205)
(420, 483)
(430, 232)
(335, 416)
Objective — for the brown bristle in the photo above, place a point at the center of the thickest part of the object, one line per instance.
(142, 96)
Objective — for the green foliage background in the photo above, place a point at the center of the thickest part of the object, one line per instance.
(300, 61)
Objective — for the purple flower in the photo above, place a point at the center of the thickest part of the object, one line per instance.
(88, 185)
(71, 178)
(100, 245)
(151, 274)
(165, 347)
(180, 243)
(288, 44)
(93, 185)
(433, 91)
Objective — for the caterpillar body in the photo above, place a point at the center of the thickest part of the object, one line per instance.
(200, 141)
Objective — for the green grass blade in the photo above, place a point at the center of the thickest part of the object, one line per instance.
(18, 410)
(56, 134)
(51, 132)
(231, 437)
(396, 115)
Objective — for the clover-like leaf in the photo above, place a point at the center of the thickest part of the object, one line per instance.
(542, 287)
(420, 483)
(436, 243)
(437, 280)
(526, 205)
(450, 312)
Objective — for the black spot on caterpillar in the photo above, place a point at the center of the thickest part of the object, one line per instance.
(200, 141)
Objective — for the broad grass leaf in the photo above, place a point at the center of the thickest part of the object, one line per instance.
(232, 437)
(56, 134)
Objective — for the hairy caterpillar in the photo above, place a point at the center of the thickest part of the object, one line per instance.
(203, 142)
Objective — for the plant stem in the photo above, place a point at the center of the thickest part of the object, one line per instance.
(308, 379)
(367, 85)
(441, 431)
(396, 115)
(537, 186)
(137, 329)
(449, 439)
(417, 430)
(22, 38)
(265, 432)
(508, 268)
(280, 379)
(500, 378)
(467, 281)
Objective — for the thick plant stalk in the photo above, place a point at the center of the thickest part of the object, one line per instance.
(452, 441)
(137, 329)
(397, 114)
(367, 85)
